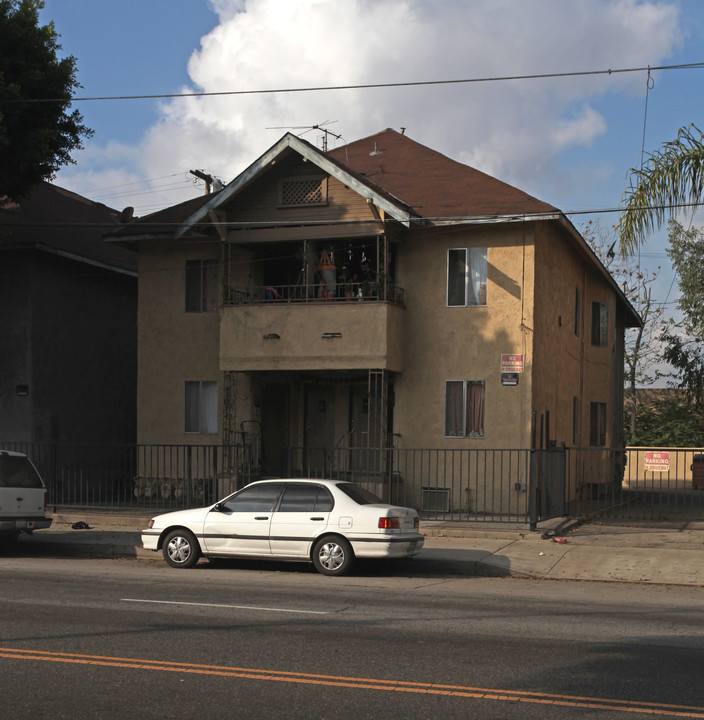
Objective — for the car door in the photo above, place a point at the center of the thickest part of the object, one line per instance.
(240, 525)
(302, 516)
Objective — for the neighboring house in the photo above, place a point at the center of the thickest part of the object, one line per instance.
(378, 294)
(68, 313)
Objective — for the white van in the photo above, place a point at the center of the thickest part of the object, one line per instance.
(22, 496)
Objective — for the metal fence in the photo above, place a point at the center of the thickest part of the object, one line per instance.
(506, 485)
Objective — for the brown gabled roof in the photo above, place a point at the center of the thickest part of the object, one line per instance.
(430, 183)
(53, 219)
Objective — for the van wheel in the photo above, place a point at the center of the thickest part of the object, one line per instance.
(181, 549)
(333, 556)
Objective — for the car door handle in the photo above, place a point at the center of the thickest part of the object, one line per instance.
(262, 517)
(317, 518)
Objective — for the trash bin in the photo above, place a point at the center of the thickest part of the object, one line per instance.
(697, 468)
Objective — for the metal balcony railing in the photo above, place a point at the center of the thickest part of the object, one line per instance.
(339, 292)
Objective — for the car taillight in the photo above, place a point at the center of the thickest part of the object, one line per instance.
(151, 523)
(416, 522)
(389, 523)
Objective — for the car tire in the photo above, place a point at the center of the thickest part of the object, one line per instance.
(181, 549)
(333, 555)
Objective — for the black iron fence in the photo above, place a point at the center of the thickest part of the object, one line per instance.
(506, 485)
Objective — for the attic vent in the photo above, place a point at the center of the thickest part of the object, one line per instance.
(303, 191)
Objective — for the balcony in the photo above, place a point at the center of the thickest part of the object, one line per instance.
(299, 327)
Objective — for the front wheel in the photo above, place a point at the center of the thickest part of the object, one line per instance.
(181, 549)
(332, 556)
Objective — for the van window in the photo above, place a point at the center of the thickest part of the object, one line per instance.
(17, 471)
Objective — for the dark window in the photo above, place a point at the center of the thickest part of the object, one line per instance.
(575, 420)
(466, 277)
(306, 498)
(464, 408)
(597, 424)
(201, 285)
(16, 471)
(600, 324)
(577, 313)
(359, 494)
(256, 498)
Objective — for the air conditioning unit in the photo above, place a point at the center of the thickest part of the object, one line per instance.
(435, 499)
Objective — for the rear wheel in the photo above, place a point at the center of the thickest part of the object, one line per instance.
(333, 556)
(181, 549)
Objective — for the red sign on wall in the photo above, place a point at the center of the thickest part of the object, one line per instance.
(512, 363)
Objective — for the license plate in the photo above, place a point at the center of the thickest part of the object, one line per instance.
(20, 523)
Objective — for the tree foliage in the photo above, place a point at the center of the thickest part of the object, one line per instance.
(684, 339)
(673, 176)
(669, 422)
(37, 130)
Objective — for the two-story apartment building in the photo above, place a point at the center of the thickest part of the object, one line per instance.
(380, 294)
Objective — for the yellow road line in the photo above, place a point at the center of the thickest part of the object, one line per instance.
(405, 686)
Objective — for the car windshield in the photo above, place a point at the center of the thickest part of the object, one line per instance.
(17, 471)
(359, 494)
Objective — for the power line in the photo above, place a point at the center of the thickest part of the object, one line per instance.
(364, 86)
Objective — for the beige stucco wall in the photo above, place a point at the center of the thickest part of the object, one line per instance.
(370, 336)
(466, 343)
(173, 346)
(567, 365)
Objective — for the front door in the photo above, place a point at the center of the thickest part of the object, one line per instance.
(274, 426)
(241, 525)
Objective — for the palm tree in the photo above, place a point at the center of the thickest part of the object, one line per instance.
(672, 177)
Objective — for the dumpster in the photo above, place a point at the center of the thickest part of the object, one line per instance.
(697, 468)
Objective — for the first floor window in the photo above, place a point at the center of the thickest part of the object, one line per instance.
(201, 407)
(464, 408)
(597, 424)
(466, 277)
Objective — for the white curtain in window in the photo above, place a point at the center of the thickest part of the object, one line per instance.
(476, 292)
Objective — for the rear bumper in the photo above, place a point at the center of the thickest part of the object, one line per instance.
(24, 524)
(388, 546)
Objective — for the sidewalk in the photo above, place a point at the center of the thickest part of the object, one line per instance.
(625, 552)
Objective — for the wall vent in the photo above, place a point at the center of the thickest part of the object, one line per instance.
(435, 499)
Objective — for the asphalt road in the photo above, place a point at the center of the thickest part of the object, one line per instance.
(82, 638)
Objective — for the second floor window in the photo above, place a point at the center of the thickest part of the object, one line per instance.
(600, 324)
(201, 285)
(466, 277)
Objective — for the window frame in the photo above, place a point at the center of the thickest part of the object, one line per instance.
(201, 285)
(203, 417)
(473, 296)
(450, 422)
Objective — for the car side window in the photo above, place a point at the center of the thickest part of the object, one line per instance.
(257, 498)
(301, 497)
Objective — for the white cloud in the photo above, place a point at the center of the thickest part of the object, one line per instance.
(513, 129)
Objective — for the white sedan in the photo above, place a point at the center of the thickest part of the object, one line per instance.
(326, 522)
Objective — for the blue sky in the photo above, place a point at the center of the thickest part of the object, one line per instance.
(568, 141)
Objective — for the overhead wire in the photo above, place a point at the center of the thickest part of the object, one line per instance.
(361, 86)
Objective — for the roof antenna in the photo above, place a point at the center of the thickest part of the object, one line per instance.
(309, 128)
(403, 131)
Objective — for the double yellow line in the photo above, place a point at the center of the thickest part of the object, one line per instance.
(403, 686)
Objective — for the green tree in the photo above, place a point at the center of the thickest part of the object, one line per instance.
(672, 177)
(685, 338)
(37, 130)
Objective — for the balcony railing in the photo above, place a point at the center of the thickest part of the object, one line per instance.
(337, 292)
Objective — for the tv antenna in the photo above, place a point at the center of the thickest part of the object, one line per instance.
(309, 128)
